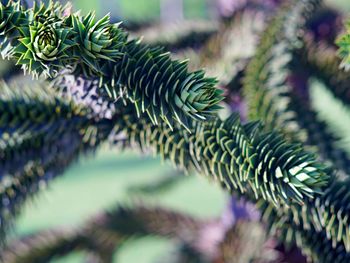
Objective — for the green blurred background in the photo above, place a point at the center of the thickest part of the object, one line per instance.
(147, 9)
(101, 181)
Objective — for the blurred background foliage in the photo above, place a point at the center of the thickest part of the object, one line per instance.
(99, 182)
(147, 9)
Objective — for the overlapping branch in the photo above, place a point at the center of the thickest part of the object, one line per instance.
(41, 135)
(105, 233)
(270, 98)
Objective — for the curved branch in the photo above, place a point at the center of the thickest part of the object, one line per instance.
(44, 41)
(239, 157)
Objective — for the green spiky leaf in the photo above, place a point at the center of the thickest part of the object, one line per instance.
(343, 43)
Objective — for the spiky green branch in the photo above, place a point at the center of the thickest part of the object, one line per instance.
(239, 157)
(44, 41)
(343, 43)
(41, 135)
(320, 227)
(299, 117)
(318, 136)
(315, 243)
(270, 99)
(146, 134)
(326, 214)
(321, 63)
(265, 86)
(273, 97)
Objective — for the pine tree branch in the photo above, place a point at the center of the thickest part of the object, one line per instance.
(299, 116)
(163, 88)
(228, 52)
(34, 110)
(324, 217)
(27, 172)
(318, 61)
(44, 41)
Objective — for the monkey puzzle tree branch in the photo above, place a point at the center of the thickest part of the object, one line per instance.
(33, 117)
(265, 85)
(239, 157)
(44, 41)
(161, 97)
(317, 135)
(273, 97)
(326, 214)
(315, 243)
(41, 135)
(225, 49)
(270, 98)
(240, 33)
